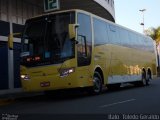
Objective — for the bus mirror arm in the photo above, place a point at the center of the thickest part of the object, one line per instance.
(10, 39)
(72, 30)
(74, 41)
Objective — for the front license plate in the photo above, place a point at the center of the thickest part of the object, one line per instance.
(45, 84)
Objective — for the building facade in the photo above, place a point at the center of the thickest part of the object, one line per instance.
(13, 14)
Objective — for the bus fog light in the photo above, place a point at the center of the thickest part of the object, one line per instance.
(25, 77)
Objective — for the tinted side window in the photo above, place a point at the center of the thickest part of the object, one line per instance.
(124, 36)
(146, 44)
(140, 42)
(132, 39)
(100, 32)
(150, 45)
(84, 40)
(113, 35)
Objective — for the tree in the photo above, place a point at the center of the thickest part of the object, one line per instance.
(154, 33)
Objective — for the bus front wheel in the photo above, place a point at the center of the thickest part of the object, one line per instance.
(97, 84)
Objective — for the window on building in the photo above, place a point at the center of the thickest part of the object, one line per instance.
(22, 10)
(4, 10)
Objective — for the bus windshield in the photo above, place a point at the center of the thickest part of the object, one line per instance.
(46, 41)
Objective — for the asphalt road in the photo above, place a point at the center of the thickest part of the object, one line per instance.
(127, 100)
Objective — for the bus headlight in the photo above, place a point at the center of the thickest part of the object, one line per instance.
(66, 72)
(25, 77)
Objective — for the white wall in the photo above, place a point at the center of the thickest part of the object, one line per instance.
(15, 11)
(108, 5)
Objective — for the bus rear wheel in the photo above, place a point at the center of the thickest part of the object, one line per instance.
(148, 78)
(144, 81)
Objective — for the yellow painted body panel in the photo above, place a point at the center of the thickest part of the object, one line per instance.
(79, 78)
(116, 60)
(119, 60)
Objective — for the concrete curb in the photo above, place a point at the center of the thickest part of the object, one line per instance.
(11, 98)
(6, 101)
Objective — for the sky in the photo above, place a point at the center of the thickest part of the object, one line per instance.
(127, 13)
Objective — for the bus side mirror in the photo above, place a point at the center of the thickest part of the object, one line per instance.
(17, 34)
(10, 39)
(72, 30)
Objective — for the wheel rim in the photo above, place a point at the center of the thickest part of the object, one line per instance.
(97, 85)
(144, 81)
(148, 79)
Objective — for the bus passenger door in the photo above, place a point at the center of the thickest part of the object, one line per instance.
(84, 49)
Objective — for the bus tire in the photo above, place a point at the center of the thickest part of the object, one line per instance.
(148, 78)
(97, 83)
(144, 80)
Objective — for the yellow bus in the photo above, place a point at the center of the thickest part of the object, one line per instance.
(77, 49)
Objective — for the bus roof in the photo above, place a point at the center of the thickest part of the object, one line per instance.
(93, 15)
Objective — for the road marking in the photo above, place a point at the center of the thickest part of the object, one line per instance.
(112, 104)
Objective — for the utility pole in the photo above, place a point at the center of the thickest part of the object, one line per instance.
(143, 10)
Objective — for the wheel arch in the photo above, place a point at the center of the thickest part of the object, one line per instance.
(99, 70)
